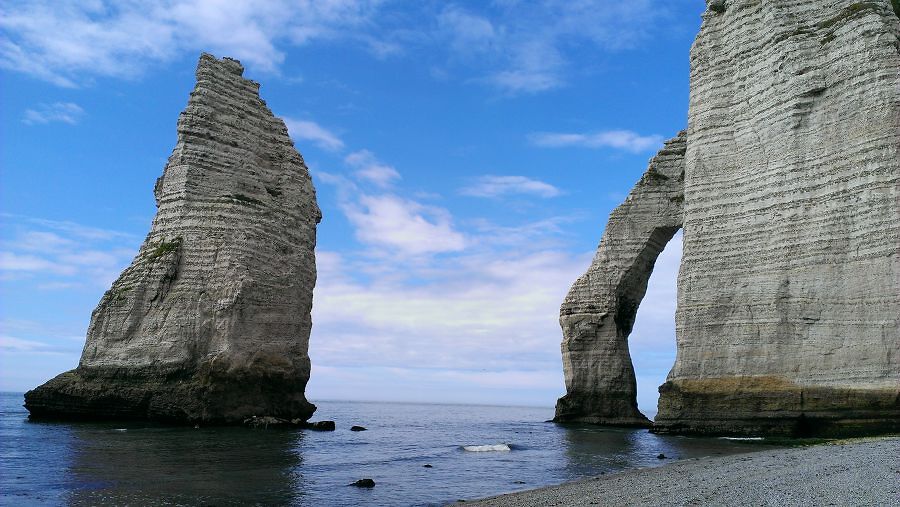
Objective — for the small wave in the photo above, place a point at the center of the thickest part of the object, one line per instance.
(486, 448)
(742, 439)
(120, 429)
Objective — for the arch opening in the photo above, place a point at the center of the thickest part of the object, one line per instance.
(652, 340)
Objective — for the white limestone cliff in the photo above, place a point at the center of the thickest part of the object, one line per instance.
(211, 321)
(788, 317)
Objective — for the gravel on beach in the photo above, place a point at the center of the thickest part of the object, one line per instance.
(845, 473)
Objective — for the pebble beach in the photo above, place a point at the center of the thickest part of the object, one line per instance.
(844, 473)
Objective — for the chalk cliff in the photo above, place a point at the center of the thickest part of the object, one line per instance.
(599, 310)
(211, 321)
(788, 317)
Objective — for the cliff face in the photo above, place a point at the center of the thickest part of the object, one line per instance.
(598, 312)
(211, 321)
(788, 315)
(789, 290)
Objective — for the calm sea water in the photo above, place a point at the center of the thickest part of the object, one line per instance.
(141, 464)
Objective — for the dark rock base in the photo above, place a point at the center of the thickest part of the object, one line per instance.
(608, 410)
(175, 396)
(765, 406)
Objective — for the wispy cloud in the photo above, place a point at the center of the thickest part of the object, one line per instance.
(65, 41)
(524, 47)
(467, 32)
(10, 343)
(497, 186)
(311, 131)
(59, 255)
(515, 47)
(368, 168)
(13, 262)
(490, 310)
(617, 139)
(58, 112)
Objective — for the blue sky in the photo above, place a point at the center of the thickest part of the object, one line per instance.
(466, 156)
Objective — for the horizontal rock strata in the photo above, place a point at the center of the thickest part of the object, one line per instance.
(211, 321)
(788, 317)
(599, 310)
(788, 314)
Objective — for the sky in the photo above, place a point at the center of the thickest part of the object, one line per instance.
(466, 156)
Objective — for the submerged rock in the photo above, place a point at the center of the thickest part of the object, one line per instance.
(211, 321)
(357, 428)
(364, 483)
(320, 425)
(788, 318)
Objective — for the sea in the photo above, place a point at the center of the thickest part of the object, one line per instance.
(417, 454)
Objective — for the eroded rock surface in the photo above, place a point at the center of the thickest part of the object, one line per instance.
(788, 317)
(211, 321)
(788, 314)
(598, 312)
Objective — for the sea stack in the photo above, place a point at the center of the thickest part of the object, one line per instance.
(211, 321)
(788, 317)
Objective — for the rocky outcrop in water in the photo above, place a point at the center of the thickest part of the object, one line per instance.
(788, 317)
(599, 310)
(211, 321)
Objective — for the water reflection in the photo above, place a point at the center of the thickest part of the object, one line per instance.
(174, 465)
(593, 450)
(97, 464)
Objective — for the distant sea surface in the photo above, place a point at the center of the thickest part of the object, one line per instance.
(137, 463)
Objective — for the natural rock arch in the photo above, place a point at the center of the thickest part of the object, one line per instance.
(788, 318)
(598, 313)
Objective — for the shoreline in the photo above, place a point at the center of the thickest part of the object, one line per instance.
(864, 471)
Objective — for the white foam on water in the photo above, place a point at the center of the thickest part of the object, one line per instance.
(487, 448)
(741, 438)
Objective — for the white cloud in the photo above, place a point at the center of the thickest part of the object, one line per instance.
(470, 311)
(368, 168)
(467, 31)
(524, 47)
(525, 80)
(62, 112)
(79, 232)
(618, 139)
(403, 226)
(492, 310)
(11, 261)
(312, 131)
(516, 47)
(497, 186)
(64, 41)
(10, 343)
(59, 255)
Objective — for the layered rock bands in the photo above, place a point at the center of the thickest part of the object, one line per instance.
(211, 321)
(599, 310)
(788, 317)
